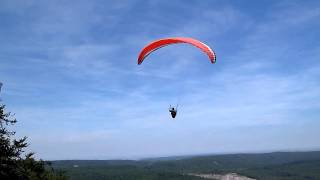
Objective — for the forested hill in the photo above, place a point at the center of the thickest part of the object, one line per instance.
(277, 165)
(236, 161)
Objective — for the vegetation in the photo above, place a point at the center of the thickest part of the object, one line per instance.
(13, 165)
(304, 170)
(269, 166)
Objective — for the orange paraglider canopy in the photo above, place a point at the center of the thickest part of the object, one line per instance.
(168, 41)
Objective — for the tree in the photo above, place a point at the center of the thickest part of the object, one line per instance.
(12, 164)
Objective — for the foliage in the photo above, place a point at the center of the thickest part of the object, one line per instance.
(268, 166)
(122, 172)
(12, 164)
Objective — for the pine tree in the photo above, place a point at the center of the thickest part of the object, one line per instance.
(12, 164)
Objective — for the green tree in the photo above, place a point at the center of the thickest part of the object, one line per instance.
(13, 165)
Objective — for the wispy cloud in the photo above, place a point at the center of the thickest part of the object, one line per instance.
(70, 75)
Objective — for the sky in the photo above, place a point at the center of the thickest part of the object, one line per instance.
(69, 72)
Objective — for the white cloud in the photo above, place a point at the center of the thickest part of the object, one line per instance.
(87, 98)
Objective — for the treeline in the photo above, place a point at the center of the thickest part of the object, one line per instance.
(13, 164)
(122, 172)
(303, 170)
(227, 163)
(269, 166)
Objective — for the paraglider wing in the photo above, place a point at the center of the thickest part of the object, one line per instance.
(168, 41)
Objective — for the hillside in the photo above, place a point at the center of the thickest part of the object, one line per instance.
(267, 166)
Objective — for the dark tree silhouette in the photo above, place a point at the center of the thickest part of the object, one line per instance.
(13, 165)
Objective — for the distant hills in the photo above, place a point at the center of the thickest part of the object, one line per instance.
(265, 166)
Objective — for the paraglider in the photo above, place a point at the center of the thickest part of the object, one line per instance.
(173, 111)
(168, 41)
(155, 45)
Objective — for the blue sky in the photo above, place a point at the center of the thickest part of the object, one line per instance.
(70, 75)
